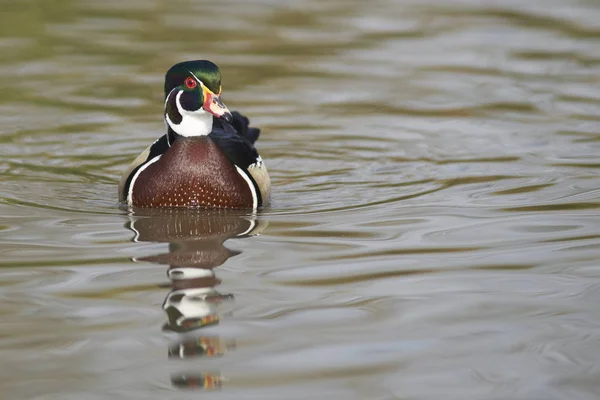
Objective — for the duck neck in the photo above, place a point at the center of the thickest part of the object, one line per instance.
(183, 122)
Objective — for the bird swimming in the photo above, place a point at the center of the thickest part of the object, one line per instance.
(206, 159)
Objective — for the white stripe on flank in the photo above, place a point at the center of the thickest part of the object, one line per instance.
(139, 171)
(251, 185)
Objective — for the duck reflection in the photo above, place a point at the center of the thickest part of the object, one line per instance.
(196, 247)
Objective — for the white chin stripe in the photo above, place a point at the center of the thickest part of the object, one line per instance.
(251, 185)
(193, 123)
(139, 171)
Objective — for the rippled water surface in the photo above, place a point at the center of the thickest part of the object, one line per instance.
(434, 231)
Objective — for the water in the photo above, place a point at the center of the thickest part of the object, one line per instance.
(434, 231)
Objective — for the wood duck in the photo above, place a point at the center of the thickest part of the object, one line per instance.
(207, 158)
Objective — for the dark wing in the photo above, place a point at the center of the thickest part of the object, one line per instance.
(160, 146)
(241, 125)
(238, 149)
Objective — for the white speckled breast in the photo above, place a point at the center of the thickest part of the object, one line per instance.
(192, 173)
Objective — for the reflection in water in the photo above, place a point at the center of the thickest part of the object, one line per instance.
(434, 231)
(196, 246)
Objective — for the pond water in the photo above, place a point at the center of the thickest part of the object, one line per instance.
(434, 230)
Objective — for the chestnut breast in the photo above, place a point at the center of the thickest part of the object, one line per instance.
(194, 172)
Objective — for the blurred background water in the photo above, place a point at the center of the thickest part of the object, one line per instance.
(434, 230)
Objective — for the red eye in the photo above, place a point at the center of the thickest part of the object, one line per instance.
(190, 82)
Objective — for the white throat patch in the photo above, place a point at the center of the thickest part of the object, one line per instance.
(193, 123)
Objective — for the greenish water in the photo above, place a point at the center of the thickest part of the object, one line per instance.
(435, 223)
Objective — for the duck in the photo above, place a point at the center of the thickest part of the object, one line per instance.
(206, 158)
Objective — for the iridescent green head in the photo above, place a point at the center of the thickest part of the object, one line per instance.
(192, 92)
(202, 70)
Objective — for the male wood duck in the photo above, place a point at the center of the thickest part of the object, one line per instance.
(207, 158)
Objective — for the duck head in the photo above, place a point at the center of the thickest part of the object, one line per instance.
(193, 97)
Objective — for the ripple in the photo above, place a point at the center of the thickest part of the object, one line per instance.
(433, 229)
